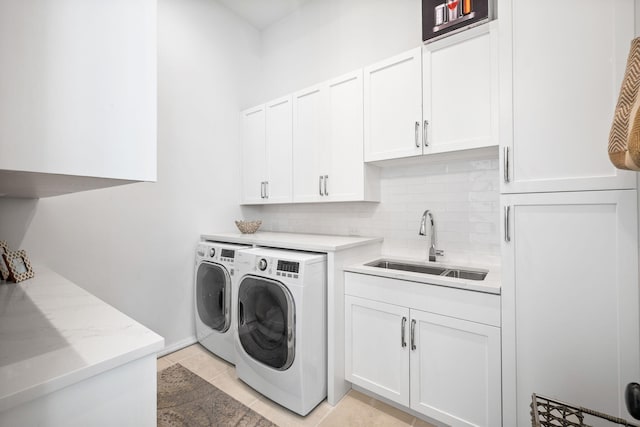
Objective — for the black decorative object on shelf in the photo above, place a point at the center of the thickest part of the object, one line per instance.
(441, 17)
(632, 399)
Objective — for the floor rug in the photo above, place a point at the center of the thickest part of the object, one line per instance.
(185, 399)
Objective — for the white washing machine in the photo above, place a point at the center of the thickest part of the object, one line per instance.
(281, 344)
(215, 297)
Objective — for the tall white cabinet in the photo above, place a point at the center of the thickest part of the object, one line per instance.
(570, 300)
(570, 326)
(559, 88)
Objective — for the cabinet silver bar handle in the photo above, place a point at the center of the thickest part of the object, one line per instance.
(266, 189)
(326, 179)
(320, 185)
(425, 139)
(505, 163)
(413, 334)
(262, 190)
(417, 131)
(507, 212)
(403, 326)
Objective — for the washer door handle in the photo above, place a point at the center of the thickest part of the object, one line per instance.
(241, 312)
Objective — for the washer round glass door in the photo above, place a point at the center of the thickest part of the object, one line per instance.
(213, 296)
(266, 314)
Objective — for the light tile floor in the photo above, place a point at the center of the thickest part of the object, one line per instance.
(356, 409)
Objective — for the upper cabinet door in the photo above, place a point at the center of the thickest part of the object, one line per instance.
(309, 112)
(345, 165)
(252, 133)
(460, 91)
(561, 69)
(393, 107)
(279, 145)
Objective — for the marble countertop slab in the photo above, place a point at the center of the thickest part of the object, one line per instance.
(54, 334)
(303, 242)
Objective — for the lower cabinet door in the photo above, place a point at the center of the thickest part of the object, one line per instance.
(455, 370)
(377, 347)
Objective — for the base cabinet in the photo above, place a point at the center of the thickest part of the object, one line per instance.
(455, 370)
(377, 355)
(446, 368)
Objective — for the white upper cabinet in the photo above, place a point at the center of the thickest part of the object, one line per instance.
(328, 143)
(393, 107)
(278, 145)
(440, 98)
(78, 91)
(561, 68)
(266, 134)
(252, 134)
(347, 178)
(309, 118)
(460, 91)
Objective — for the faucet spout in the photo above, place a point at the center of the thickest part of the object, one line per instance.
(428, 216)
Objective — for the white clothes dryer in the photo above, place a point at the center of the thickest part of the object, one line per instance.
(281, 340)
(214, 297)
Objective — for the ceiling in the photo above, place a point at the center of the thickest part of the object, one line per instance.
(262, 13)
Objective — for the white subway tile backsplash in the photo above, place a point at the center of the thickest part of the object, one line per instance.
(463, 195)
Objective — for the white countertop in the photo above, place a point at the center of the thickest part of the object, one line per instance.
(491, 283)
(54, 334)
(303, 242)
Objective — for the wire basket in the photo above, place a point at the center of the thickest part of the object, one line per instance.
(547, 412)
(248, 227)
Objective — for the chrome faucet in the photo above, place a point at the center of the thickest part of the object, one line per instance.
(433, 252)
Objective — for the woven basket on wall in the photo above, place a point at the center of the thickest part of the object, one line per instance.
(624, 138)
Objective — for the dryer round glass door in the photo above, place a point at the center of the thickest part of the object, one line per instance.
(213, 296)
(266, 326)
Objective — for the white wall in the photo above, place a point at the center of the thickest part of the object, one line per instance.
(326, 38)
(133, 246)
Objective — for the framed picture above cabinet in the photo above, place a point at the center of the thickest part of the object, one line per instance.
(443, 17)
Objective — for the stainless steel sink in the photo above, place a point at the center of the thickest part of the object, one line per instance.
(466, 274)
(416, 268)
(456, 272)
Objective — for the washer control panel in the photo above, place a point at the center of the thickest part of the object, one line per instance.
(288, 269)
